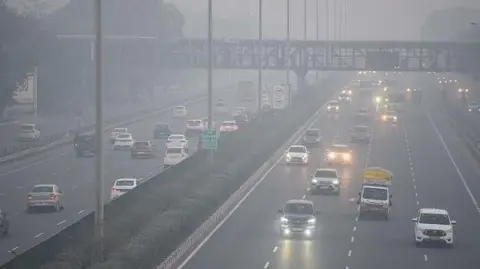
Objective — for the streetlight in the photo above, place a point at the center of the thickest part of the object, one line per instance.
(316, 28)
(260, 55)
(287, 56)
(99, 213)
(210, 64)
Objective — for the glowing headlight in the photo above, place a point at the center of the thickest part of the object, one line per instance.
(336, 182)
(466, 90)
(378, 99)
(308, 232)
(385, 89)
(343, 91)
(384, 117)
(346, 156)
(469, 110)
(349, 92)
(312, 221)
(283, 220)
(331, 155)
(286, 231)
(395, 118)
(314, 181)
(329, 107)
(409, 89)
(288, 157)
(460, 90)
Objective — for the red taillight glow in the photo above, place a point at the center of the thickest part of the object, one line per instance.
(114, 190)
(53, 197)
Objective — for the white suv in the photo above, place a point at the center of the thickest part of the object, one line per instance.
(325, 180)
(296, 154)
(433, 225)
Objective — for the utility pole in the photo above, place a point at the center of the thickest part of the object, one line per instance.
(99, 213)
(316, 29)
(260, 55)
(345, 13)
(327, 31)
(210, 72)
(287, 56)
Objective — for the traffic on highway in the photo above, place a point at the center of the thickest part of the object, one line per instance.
(402, 195)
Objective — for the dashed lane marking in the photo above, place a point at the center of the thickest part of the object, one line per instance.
(14, 249)
(266, 265)
(80, 212)
(303, 197)
(425, 257)
(354, 228)
(350, 253)
(352, 239)
(61, 222)
(275, 249)
(38, 235)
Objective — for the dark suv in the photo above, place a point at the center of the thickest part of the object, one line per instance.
(162, 130)
(84, 145)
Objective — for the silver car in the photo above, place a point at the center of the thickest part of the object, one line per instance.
(45, 195)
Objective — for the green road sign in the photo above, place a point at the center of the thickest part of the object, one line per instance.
(209, 139)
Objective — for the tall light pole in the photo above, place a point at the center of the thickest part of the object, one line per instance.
(316, 28)
(345, 12)
(327, 31)
(260, 54)
(210, 64)
(287, 56)
(334, 19)
(305, 19)
(99, 214)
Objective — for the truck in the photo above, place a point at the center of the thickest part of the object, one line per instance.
(246, 91)
(395, 100)
(375, 197)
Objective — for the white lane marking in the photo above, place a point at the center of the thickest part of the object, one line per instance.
(346, 267)
(275, 249)
(266, 265)
(413, 179)
(14, 249)
(354, 228)
(415, 186)
(80, 212)
(352, 239)
(460, 175)
(74, 187)
(303, 197)
(418, 203)
(416, 194)
(356, 218)
(350, 253)
(61, 222)
(38, 235)
(425, 257)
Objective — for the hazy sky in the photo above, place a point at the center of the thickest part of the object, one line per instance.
(366, 19)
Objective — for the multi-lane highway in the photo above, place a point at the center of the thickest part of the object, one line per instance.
(431, 168)
(75, 177)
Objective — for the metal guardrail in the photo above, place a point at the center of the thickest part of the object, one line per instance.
(222, 213)
(49, 142)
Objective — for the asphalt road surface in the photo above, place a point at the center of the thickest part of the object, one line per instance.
(431, 168)
(75, 176)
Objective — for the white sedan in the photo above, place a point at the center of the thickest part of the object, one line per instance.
(180, 112)
(122, 186)
(123, 141)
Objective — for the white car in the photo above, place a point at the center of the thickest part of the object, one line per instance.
(325, 180)
(179, 112)
(205, 123)
(122, 186)
(433, 225)
(238, 111)
(221, 107)
(177, 140)
(28, 132)
(296, 154)
(333, 106)
(228, 126)
(174, 155)
(474, 108)
(116, 132)
(123, 141)
(194, 127)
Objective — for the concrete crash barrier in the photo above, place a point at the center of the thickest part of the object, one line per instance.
(66, 138)
(161, 213)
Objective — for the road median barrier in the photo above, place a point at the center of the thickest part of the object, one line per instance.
(159, 215)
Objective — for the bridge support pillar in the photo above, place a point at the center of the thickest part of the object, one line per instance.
(301, 81)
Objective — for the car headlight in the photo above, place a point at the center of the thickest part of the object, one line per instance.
(466, 90)
(449, 230)
(331, 155)
(283, 220)
(336, 182)
(314, 181)
(349, 92)
(469, 110)
(460, 90)
(329, 107)
(385, 89)
(312, 221)
(288, 157)
(408, 89)
(395, 118)
(346, 156)
(305, 157)
(384, 117)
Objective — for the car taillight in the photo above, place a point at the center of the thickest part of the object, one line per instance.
(114, 190)
(53, 197)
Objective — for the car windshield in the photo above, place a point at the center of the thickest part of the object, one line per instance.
(174, 150)
(360, 129)
(27, 128)
(440, 219)
(340, 148)
(125, 183)
(176, 137)
(297, 149)
(120, 130)
(334, 104)
(300, 209)
(375, 194)
(125, 136)
(181, 108)
(42, 189)
(312, 133)
(326, 173)
(142, 145)
(194, 122)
